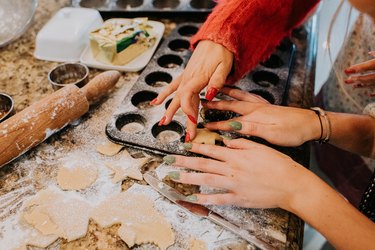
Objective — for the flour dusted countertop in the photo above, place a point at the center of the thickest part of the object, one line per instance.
(25, 79)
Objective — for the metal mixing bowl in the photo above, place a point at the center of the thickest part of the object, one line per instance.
(16, 17)
(68, 73)
(6, 106)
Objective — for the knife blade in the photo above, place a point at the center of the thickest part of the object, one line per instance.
(201, 211)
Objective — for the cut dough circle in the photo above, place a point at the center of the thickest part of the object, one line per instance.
(76, 177)
(109, 148)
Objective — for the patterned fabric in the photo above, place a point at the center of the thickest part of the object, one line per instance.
(367, 205)
(350, 173)
(370, 109)
(342, 97)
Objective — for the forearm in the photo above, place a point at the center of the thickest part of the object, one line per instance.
(354, 133)
(327, 211)
(241, 25)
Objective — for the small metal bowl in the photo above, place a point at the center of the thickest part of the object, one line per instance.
(6, 106)
(68, 73)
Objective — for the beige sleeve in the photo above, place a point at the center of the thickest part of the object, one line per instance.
(370, 109)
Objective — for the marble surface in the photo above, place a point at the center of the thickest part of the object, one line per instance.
(25, 79)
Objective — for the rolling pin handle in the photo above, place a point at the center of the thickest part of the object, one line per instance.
(100, 85)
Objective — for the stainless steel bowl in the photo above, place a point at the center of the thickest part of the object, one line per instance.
(16, 17)
(68, 73)
(6, 106)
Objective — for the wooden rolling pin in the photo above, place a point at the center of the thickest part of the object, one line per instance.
(36, 123)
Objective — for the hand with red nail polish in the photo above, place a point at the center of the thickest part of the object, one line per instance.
(153, 102)
(162, 120)
(201, 72)
(187, 137)
(362, 74)
(211, 93)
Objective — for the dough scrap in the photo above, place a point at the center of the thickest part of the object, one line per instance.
(195, 244)
(127, 168)
(39, 218)
(140, 222)
(205, 136)
(109, 148)
(38, 239)
(56, 214)
(76, 177)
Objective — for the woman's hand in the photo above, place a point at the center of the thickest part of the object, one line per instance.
(252, 174)
(284, 126)
(209, 66)
(363, 74)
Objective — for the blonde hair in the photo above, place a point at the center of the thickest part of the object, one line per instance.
(338, 67)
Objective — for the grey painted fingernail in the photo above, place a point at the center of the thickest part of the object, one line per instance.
(235, 125)
(175, 175)
(169, 159)
(187, 146)
(225, 137)
(192, 198)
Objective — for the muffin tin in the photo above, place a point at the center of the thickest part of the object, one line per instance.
(148, 6)
(135, 122)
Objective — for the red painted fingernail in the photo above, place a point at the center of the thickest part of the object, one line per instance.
(154, 101)
(162, 120)
(192, 119)
(187, 137)
(349, 81)
(349, 71)
(211, 93)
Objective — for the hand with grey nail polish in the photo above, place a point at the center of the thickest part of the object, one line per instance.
(242, 171)
(262, 119)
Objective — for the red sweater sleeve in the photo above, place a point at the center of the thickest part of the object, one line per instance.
(251, 29)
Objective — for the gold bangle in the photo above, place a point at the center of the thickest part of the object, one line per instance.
(323, 114)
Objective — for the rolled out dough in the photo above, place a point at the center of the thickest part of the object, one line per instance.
(195, 244)
(76, 177)
(57, 214)
(109, 148)
(140, 222)
(205, 136)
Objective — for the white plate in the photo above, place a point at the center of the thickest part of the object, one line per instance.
(136, 64)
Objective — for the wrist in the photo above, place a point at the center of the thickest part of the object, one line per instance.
(314, 132)
(310, 189)
(304, 185)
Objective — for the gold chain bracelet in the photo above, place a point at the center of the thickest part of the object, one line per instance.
(321, 113)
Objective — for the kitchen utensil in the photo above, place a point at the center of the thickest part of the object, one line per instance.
(36, 123)
(16, 17)
(66, 34)
(6, 106)
(135, 122)
(201, 211)
(68, 73)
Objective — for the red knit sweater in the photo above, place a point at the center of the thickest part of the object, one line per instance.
(251, 29)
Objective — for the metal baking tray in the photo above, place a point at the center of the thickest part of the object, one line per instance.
(145, 7)
(135, 122)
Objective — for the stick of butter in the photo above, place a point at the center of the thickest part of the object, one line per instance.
(120, 40)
